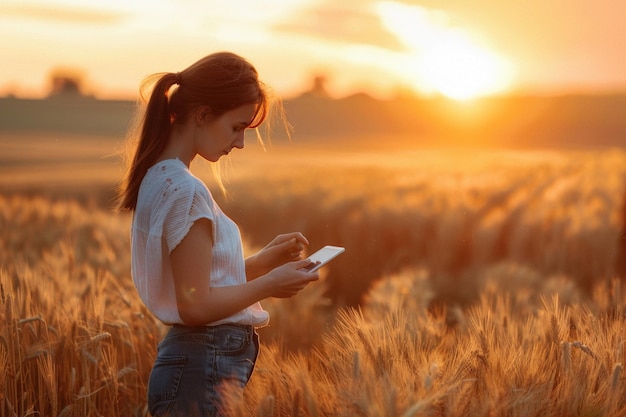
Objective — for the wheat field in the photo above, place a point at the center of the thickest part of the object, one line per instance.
(473, 284)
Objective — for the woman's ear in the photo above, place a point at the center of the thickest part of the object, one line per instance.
(202, 114)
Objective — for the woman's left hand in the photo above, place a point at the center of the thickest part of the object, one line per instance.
(283, 248)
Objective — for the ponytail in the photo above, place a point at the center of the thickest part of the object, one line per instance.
(156, 125)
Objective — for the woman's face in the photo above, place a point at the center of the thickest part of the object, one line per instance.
(217, 136)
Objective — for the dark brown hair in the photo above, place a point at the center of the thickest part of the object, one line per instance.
(222, 81)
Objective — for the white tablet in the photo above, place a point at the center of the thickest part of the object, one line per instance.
(322, 257)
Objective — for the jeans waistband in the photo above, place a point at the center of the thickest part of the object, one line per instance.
(179, 333)
(203, 332)
(246, 327)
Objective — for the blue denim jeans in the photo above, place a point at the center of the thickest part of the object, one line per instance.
(191, 364)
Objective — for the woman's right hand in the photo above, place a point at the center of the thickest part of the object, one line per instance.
(289, 279)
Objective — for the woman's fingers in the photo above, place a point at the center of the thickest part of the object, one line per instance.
(293, 278)
(288, 237)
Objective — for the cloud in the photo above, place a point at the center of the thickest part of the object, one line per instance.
(344, 23)
(60, 14)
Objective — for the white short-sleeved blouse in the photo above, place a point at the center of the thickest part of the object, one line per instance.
(170, 200)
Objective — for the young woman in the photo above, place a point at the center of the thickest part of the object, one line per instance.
(187, 259)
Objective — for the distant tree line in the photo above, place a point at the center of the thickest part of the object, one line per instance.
(66, 83)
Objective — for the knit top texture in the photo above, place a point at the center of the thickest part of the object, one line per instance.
(170, 200)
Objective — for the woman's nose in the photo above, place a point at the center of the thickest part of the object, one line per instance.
(239, 142)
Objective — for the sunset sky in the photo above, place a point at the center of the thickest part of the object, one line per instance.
(458, 48)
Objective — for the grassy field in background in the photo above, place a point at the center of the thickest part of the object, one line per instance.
(474, 283)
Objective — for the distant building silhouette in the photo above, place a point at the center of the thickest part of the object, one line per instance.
(319, 86)
(65, 84)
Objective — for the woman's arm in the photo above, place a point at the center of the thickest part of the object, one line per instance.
(200, 304)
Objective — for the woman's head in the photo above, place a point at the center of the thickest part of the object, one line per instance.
(221, 82)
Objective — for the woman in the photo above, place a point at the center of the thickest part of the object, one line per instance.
(187, 258)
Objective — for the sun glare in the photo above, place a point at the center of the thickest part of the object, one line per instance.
(444, 59)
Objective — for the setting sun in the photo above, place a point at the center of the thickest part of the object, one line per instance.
(462, 71)
(445, 60)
